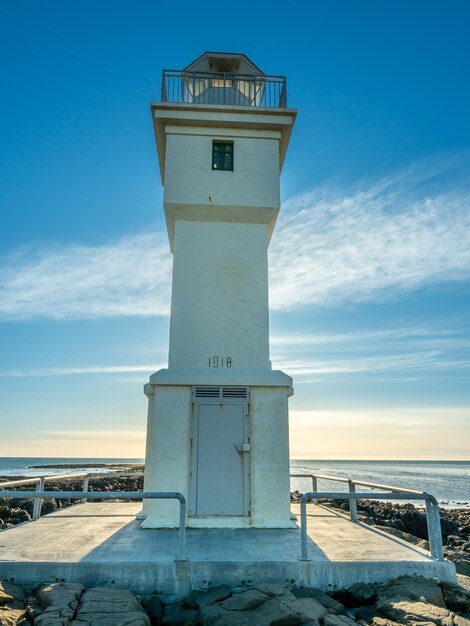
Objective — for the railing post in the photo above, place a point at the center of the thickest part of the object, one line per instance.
(352, 503)
(182, 532)
(434, 528)
(86, 481)
(38, 501)
(303, 529)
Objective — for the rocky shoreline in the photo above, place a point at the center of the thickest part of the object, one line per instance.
(407, 600)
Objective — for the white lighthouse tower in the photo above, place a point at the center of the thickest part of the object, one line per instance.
(218, 416)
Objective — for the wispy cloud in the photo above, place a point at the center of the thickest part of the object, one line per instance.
(73, 371)
(406, 231)
(418, 333)
(130, 277)
(332, 245)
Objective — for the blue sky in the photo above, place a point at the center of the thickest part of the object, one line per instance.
(369, 264)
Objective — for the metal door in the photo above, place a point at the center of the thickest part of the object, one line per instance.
(220, 463)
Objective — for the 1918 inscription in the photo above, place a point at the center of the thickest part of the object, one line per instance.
(220, 361)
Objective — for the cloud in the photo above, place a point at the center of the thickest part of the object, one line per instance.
(131, 277)
(407, 231)
(418, 333)
(72, 371)
(331, 245)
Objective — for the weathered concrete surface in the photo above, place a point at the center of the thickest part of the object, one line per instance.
(97, 543)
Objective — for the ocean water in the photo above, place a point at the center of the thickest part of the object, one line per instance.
(22, 466)
(448, 481)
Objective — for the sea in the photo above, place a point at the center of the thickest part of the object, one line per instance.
(448, 481)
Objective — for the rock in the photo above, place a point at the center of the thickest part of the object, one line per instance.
(464, 581)
(19, 515)
(456, 597)
(421, 543)
(48, 506)
(308, 609)
(462, 565)
(154, 609)
(339, 620)
(176, 615)
(407, 612)
(332, 605)
(271, 613)
(16, 591)
(59, 594)
(461, 620)
(246, 601)
(51, 618)
(104, 606)
(381, 621)
(398, 524)
(4, 596)
(211, 596)
(12, 617)
(414, 588)
(359, 594)
(271, 589)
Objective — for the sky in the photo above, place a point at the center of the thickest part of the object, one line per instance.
(369, 262)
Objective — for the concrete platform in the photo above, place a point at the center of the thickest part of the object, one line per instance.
(102, 543)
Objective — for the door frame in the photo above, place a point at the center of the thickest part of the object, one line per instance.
(226, 394)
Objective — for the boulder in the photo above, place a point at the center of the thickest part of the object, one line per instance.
(407, 611)
(462, 620)
(414, 588)
(59, 594)
(177, 615)
(246, 601)
(12, 617)
(154, 609)
(207, 598)
(339, 620)
(360, 594)
(4, 596)
(464, 581)
(271, 613)
(103, 606)
(308, 609)
(14, 590)
(332, 605)
(271, 589)
(462, 565)
(456, 597)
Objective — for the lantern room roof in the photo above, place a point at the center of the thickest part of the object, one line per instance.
(231, 62)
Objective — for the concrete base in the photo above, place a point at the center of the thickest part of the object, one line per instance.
(103, 543)
(216, 521)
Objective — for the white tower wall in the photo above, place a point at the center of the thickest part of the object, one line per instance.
(220, 295)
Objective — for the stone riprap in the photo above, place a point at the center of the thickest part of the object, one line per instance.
(13, 512)
(408, 601)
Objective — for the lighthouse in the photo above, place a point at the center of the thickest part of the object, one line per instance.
(218, 415)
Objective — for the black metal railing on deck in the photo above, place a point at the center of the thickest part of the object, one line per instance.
(223, 88)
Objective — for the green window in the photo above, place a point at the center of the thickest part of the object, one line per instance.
(222, 155)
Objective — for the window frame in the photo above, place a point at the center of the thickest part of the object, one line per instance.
(220, 157)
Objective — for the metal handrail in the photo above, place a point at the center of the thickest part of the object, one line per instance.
(352, 488)
(40, 482)
(433, 519)
(115, 495)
